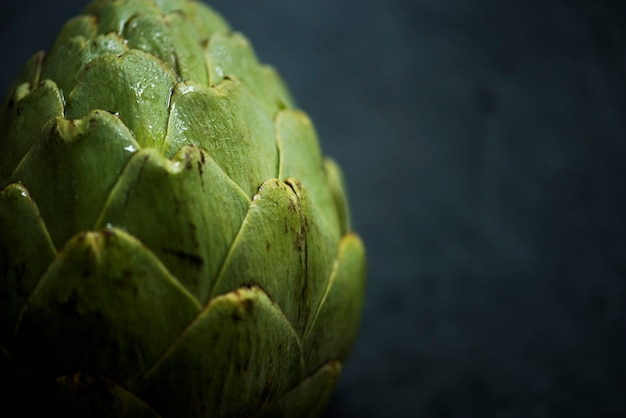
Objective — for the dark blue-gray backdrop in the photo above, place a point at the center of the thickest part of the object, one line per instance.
(484, 143)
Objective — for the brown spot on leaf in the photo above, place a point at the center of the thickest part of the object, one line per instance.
(248, 305)
(199, 164)
(188, 163)
(300, 241)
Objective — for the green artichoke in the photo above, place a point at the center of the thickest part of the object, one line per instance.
(172, 241)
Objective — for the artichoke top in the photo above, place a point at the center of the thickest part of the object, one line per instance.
(170, 224)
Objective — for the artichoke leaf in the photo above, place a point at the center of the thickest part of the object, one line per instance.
(274, 89)
(190, 62)
(206, 20)
(336, 322)
(242, 347)
(170, 6)
(24, 238)
(23, 121)
(27, 78)
(112, 16)
(136, 86)
(231, 55)
(158, 35)
(203, 208)
(31, 71)
(226, 121)
(106, 306)
(321, 244)
(301, 158)
(150, 33)
(66, 63)
(271, 250)
(310, 397)
(73, 201)
(83, 26)
(338, 190)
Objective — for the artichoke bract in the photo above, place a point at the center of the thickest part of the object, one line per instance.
(172, 241)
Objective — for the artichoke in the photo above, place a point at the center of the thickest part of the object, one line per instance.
(172, 241)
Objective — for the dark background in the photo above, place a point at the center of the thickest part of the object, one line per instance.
(484, 145)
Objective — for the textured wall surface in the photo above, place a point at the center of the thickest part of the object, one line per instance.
(484, 145)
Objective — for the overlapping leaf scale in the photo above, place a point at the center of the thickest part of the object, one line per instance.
(26, 79)
(150, 33)
(321, 244)
(173, 40)
(84, 157)
(201, 209)
(112, 15)
(106, 306)
(270, 251)
(152, 27)
(338, 190)
(23, 239)
(231, 55)
(301, 158)
(136, 86)
(206, 20)
(190, 62)
(310, 397)
(24, 118)
(242, 348)
(169, 6)
(83, 26)
(66, 63)
(336, 322)
(283, 247)
(29, 76)
(226, 121)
